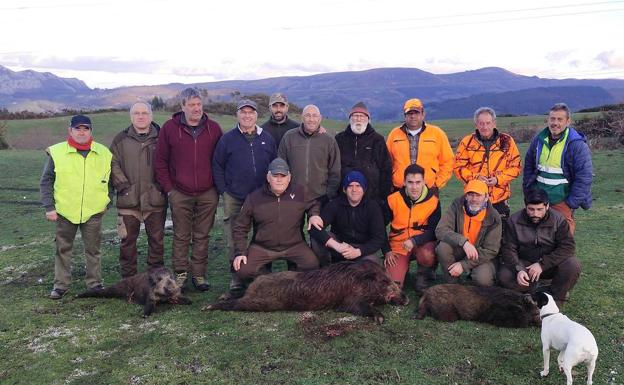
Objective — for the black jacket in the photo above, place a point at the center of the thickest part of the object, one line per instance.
(361, 225)
(277, 130)
(367, 153)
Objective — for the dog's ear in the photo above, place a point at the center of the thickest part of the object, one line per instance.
(528, 299)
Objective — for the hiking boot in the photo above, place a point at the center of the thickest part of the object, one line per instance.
(181, 278)
(57, 293)
(237, 287)
(425, 277)
(200, 283)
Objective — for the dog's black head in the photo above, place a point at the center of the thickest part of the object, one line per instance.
(541, 299)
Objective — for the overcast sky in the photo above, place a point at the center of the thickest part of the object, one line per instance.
(110, 43)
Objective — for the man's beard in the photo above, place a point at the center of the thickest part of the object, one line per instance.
(358, 128)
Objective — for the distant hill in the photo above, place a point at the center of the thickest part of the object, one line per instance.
(524, 102)
(384, 90)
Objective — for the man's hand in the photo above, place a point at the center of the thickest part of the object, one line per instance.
(408, 245)
(340, 247)
(522, 278)
(351, 252)
(238, 260)
(456, 269)
(390, 259)
(471, 252)
(51, 215)
(315, 221)
(534, 271)
(491, 181)
(322, 130)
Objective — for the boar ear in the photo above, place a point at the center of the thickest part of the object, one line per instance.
(528, 299)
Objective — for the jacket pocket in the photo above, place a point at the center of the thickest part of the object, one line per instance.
(128, 198)
(156, 197)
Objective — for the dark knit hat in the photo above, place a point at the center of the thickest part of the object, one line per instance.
(359, 107)
(354, 176)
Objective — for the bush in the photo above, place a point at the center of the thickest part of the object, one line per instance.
(606, 129)
(524, 134)
(4, 144)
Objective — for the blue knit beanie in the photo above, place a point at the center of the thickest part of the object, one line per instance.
(354, 176)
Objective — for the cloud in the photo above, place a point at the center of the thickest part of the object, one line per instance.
(83, 63)
(557, 57)
(610, 59)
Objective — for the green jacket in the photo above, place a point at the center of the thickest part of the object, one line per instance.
(81, 183)
(133, 171)
(450, 230)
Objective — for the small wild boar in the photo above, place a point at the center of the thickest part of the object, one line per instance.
(493, 305)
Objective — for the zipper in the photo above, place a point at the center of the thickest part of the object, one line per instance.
(195, 162)
(84, 172)
(253, 159)
(307, 177)
(279, 219)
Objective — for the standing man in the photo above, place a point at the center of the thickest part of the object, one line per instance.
(363, 149)
(415, 213)
(276, 212)
(279, 122)
(489, 156)
(418, 142)
(183, 167)
(313, 157)
(538, 244)
(470, 236)
(559, 162)
(75, 193)
(357, 228)
(139, 197)
(240, 166)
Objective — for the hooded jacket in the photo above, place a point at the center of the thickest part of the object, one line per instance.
(277, 130)
(132, 170)
(576, 163)
(184, 162)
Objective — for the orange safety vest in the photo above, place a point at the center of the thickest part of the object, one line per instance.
(472, 226)
(408, 218)
(502, 161)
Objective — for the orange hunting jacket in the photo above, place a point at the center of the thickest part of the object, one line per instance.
(501, 160)
(434, 155)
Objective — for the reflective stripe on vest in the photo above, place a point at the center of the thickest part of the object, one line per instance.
(81, 183)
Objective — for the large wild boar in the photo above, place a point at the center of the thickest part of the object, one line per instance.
(352, 287)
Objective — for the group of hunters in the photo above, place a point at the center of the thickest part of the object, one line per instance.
(277, 177)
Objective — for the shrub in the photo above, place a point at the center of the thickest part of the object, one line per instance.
(603, 131)
(4, 144)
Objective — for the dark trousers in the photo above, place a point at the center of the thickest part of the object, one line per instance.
(482, 275)
(193, 218)
(91, 232)
(155, 230)
(327, 255)
(564, 277)
(300, 255)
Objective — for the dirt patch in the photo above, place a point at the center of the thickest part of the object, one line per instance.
(316, 328)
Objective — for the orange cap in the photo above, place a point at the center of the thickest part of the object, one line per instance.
(412, 104)
(476, 186)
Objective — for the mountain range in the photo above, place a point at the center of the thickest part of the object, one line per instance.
(384, 90)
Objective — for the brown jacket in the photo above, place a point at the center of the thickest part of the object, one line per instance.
(314, 162)
(548, 242)
(132, 171)
(451, 226)
(276, 220)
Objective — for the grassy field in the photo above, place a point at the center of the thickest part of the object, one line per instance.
(107, 342)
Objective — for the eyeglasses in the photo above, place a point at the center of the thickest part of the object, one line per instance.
(141, 113)
(311, 116)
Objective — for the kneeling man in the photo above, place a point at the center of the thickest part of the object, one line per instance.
(276, 211)
(357, 225)
(470, 236)
(538, 244)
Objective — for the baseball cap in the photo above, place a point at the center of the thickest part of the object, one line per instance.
(279, 166)
(278, 97)
(246, 103)
(476, 186)
(80, 120)
(412, 104)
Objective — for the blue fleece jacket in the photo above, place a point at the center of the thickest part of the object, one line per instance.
(240, 166)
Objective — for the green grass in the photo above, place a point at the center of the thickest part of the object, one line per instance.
(107, 342)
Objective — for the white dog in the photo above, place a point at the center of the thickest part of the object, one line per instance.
(575, 343)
